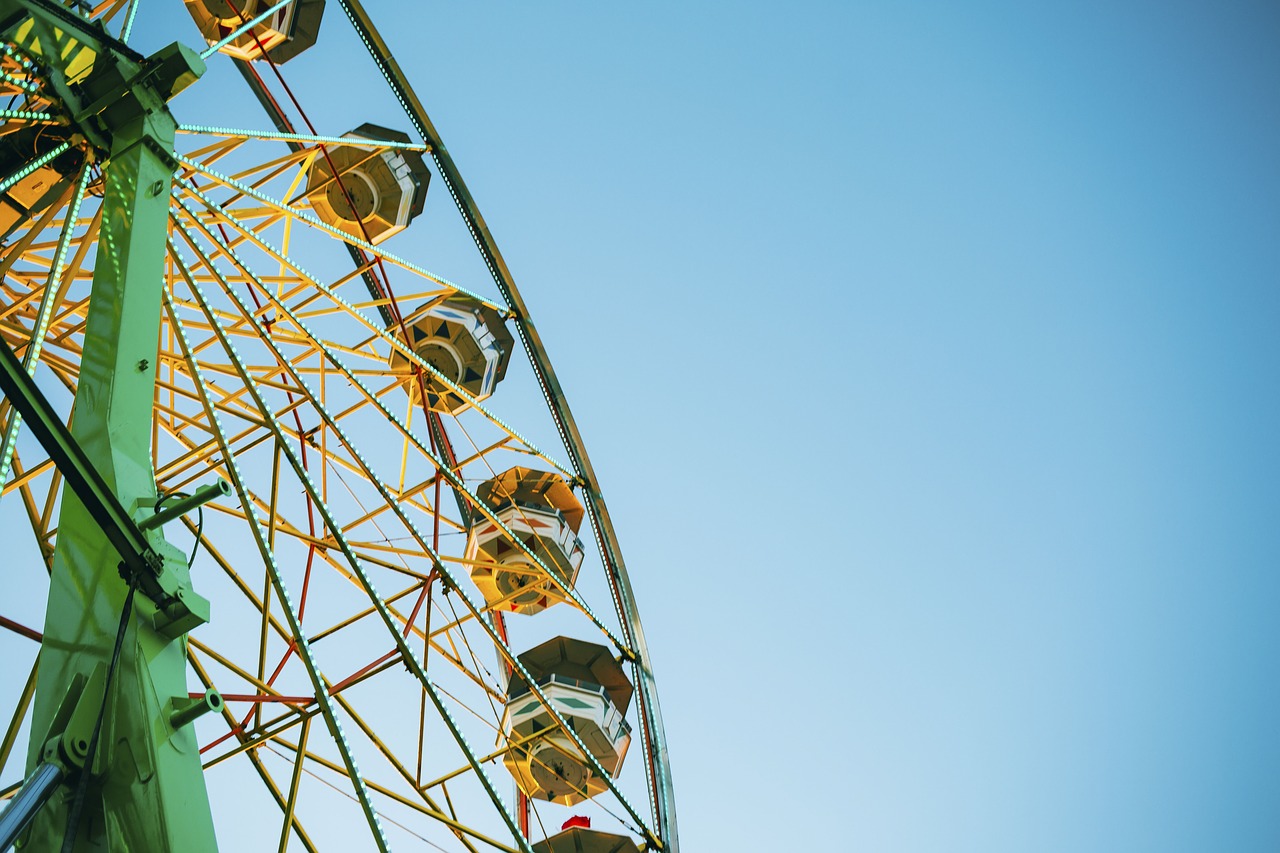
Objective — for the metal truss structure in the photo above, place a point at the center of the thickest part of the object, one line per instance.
(193, 356)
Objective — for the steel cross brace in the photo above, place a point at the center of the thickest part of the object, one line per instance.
(140, 560)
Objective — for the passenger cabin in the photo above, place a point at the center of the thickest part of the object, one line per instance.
(577, 839)
(32, 194)
(284, 34)
(378, 190)
(465, 340)
(538, 507)
(591, 691)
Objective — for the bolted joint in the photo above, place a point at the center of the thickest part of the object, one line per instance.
(180, 614)
(72, 726)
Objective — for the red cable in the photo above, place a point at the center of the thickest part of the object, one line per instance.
(383, 283)
(302, 444)
(383, 286)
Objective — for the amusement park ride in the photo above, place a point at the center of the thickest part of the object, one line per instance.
(217, 338)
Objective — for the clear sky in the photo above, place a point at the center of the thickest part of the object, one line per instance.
(928, 355)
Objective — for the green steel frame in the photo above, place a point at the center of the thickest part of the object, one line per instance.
(138, 558)
(143, 787)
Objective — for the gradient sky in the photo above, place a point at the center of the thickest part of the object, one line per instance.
(927, 353)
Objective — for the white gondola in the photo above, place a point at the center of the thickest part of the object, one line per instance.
(540, 509)
(284, 33)
(588, 687)
(462, 338)
(380, 190)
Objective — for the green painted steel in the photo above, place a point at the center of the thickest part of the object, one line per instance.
(80, 474)
(146, 788)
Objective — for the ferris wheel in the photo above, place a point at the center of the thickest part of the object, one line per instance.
(319, 559)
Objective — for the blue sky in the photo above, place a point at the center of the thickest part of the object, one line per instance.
(927, 354)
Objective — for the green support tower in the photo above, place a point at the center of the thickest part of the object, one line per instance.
(123, 772)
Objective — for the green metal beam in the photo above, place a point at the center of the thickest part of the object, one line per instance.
(358, 259)
(81, 477)
(144, 789)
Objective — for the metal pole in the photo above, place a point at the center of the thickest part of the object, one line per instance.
(184, 505)
(35, 792)
(71, 461)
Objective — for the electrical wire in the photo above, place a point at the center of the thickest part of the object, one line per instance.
(82, 785)
(195, 549)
